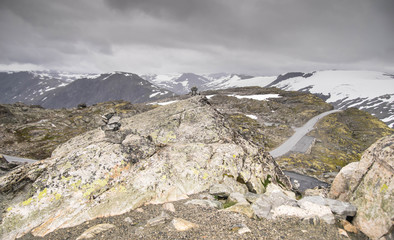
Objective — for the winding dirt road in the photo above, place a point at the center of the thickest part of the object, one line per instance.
(290, 143)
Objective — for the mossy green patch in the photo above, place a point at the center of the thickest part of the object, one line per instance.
(228, 204)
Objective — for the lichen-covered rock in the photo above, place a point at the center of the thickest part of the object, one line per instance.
(370, 187)
(321, 211)
(158, 156)
(243, 208)
(339, 208)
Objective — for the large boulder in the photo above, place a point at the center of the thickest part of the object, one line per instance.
(339, 208)
(158, 156)
(370, 187)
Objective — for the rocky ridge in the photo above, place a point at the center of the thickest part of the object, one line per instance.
(34, 132)
(161, 155)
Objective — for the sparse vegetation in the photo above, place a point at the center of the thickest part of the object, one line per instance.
(34, 132)
(275, 117)
(341, 138)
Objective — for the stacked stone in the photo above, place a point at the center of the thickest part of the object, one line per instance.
(112, 122)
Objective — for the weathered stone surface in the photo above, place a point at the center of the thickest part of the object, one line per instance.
(316, 192)
(261, 208)
(343, 232)
(234, 185)
(348, 226)
(340, 208)
(275, 189)
(163, 218)
(166, 154)
(182, 225)
(252, 197)
(241, 208)
(114, 119)
(340, 186)
(206, 203)
(237, 197)
(220, 190)
(242, 228)
(6, 166)
(370, 187)
(277, 197)
(169, 207)
(129, 220)
(323, 212)
(290, 211)
(95, 230)
(206, 196)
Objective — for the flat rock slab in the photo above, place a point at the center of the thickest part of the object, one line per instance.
(182, 225)
(337, 207)
(95, 230)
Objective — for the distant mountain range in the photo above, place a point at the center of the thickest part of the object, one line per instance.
(182, 83)
(366, 90)
(51, 91)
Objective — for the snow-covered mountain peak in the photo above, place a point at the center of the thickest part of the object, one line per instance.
(339, 84)
(367, 90)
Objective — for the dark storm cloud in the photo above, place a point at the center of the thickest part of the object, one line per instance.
(252, 36)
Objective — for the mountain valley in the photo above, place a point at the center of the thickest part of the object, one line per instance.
(171, 148)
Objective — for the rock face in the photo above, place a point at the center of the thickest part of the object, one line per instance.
(369, 185)
(6, 166)
(158, 156)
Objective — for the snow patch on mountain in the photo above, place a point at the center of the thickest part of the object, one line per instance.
(231, 81)
(339, 85)
(366, 90)
(259, 97)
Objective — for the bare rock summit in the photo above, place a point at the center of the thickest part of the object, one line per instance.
(157, 156)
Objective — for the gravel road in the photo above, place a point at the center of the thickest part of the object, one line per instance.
(290, 143)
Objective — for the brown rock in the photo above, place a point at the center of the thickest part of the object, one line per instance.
(343, 232)
(340, 186)
(169, 207)
(95, 230)
(241, 208)
(369, 185)
(349, 227)
(182, 225)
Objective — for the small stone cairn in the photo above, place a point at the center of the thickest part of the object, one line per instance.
(112, 122)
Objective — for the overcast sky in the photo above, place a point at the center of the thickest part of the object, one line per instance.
(263, 37)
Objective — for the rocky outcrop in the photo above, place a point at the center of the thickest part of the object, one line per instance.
(369, 185)
(158, 156)
(278, 203)
(6, 166)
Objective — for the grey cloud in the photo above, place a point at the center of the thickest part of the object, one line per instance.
(227, 35)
